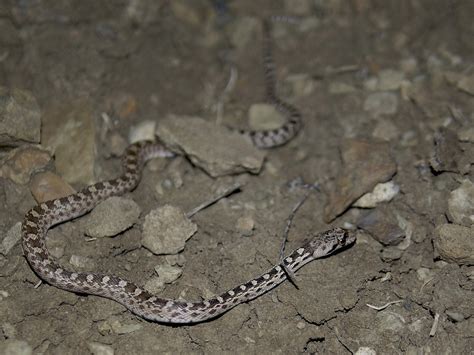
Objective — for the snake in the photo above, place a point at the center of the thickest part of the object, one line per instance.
(138, 300)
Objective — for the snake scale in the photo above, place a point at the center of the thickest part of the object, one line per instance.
(42, 217)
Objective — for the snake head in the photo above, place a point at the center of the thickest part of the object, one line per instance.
(330, 241)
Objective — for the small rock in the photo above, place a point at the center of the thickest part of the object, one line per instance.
(409, 65)
(245, 225)
(385, 130)
(466, 135)
(390, 80)
(455, 243)
(47, 186)
(382, 192)
(193, 13)
(166, 230)
(120, 328)
(455, 316)
(391, 254)
(22, 162)
(154, 285)
(100, 349)
(301, 84)
(340, 88)
(244, 31)
(145, 130)
(20, 117)
(461, 204)
(69, 129)
(265, 116)
(117, 145)
(365, 164)
(111, 217)
(424, 274)
(215, 149)
(466, 84)
(364, 350)
(448, 154)
(382, 226)
(176, 259)
(11, 239)
(381, 103)
(15, 347)
(166, 275)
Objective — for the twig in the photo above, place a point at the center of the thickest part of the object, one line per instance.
(434, 327)
(379, 308)
(38, 284)
(289, 221)
(205, 204)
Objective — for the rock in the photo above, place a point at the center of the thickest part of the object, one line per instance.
(409, 65)
(381, 103)
(424, 274)
(461, 204)
(22, 162)
(15, 347)
(245, 225)
(70, 131)
(365, 164)
(301, 84)
(382, 226)
(193, 13)
(466, 135)
(455, 243)
(466, 84)
(48, 186)
(391, 253)
(390, 79)
(364, 350)
(265, 116)
(120, 328)
(145, 130)
(11, 239)
(166, 275)
(382, 192)
(111, 217)
(81, 261)
(448, 154)
(100, 349)
(166, 230)
(20, 118)
(340, 88)
(385, 130)
(244, 31)
(215, 149)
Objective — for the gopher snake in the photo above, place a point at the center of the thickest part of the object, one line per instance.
(42, 217)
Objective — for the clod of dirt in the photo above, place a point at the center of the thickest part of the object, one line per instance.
(215, 149)
(455, 243)
(461, 204)
(166, 230)
(365, 164)
(48, 186)
(111, 217)
(20, 117)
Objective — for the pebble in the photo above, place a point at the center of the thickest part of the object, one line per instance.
(81, 261)
(47, 186)
(265, 116)
(466, 135)
(166, 275)
(382, 192)
(194, 13)
(447, 154)
(461, 204)
(66, 123)
(300, 84)
(20, 163)
(364, 164)
(424, 274)
(382, 226)
(391, 254)
(120, 328)
(245, 225)
(381, 103)
(215, 149)
(455, 243)
(20, 117)
(364, 350)
(11, 239)
(338, 88)
(100, 349)
(145, 130)
(15, 347)
(111, 217)
(389, 79)
(385, 130)
(466, 84)
(409, 65)
(166, 230)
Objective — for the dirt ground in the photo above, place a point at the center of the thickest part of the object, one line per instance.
(397, 73)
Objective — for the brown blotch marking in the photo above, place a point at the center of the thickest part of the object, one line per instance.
(130, 287)
(99, 186)
(212, 311)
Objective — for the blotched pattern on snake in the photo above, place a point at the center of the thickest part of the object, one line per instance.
(41, 218)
